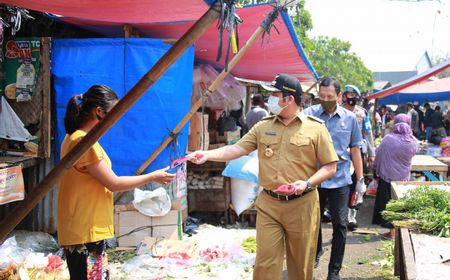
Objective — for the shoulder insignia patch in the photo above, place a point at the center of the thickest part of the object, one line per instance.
(269, 117)
(315, 119)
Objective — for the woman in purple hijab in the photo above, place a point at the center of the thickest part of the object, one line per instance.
(393, 163)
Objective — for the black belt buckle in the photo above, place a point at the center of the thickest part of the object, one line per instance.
(284, 197)
(280, 196)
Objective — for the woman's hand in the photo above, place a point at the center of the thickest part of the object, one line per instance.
(161, 176)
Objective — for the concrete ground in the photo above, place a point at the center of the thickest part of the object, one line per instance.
(365, 254)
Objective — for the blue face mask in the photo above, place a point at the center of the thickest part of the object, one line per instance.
(273, 106)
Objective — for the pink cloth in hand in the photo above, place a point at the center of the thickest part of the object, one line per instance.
(180, 161)
(286, 189)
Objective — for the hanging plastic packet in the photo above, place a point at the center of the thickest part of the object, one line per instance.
(177, 163)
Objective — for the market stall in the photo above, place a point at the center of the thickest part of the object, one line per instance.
(419, 255)
(424, 163)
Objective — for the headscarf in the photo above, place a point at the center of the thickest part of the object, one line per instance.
(402, 127)
(393, 156)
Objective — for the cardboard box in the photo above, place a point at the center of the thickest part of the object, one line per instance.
(230, 137)
(131, 227)
(161, 248)
(198, 138)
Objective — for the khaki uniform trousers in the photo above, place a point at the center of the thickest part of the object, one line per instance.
(293, 225)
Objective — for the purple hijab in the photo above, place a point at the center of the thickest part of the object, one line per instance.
(393, 156)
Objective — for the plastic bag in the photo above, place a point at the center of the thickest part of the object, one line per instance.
(244, 168)
(152, 203)
(372, 188)
(39, 242)
(228, 94)
(226, 123)
(243, 194)
(22, 243)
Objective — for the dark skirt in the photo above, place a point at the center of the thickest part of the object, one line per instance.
(382, 198)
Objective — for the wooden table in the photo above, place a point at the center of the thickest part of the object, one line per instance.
(445, 160)
(406, 249)
(421, 163)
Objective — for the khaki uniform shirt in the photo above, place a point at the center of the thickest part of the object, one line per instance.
(289, 153)
(361, 115)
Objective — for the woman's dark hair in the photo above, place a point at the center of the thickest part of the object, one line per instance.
(331, 81)
(80, 106)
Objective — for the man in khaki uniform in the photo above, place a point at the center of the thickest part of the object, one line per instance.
(290, 147)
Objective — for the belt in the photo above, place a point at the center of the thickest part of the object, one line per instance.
(285, 197)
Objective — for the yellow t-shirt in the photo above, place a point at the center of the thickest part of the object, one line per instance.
(85, 206)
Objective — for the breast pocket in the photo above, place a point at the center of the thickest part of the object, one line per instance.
(343, 136)
(268, 147)
(299, 147)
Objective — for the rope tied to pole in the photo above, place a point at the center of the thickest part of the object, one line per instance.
(268, 23)
(229, 21)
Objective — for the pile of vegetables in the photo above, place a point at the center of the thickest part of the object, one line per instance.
(249, 244)
(424, 208)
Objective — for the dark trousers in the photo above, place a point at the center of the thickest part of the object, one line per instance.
(338, 207)
(77, 261)
(382, 198)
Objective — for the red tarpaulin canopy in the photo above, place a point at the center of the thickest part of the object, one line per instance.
(170, 19)
(120, 11)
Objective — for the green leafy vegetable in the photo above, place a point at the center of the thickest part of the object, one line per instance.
(423, 208)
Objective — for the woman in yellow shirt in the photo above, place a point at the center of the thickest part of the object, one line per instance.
(85, 199)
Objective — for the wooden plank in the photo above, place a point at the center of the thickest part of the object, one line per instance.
(398, 266)
(399, 189)
(45, 140)
(407, 254)
(445, 160)
(24, 161)
(429, 163)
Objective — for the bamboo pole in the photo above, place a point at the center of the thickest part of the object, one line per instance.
(47, 184)
(312, 86)
(209, 91)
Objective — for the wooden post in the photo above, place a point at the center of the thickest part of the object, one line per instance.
(47, 184)
(208, 92)
(46, 100)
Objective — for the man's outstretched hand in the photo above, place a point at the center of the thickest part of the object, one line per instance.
(198, 157)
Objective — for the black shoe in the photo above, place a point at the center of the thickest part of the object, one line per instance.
(352, 226)
(334, 275)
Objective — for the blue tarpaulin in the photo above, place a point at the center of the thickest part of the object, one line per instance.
(78, 64)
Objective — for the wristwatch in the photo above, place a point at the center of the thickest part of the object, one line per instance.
(308, 186)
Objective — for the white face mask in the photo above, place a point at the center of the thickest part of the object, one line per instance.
(273, 106)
